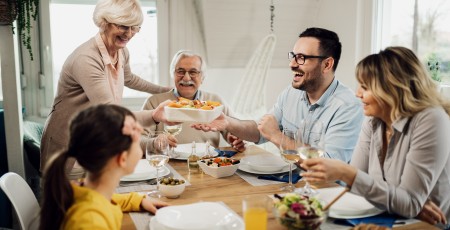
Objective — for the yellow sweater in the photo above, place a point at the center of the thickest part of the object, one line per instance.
(91, 210)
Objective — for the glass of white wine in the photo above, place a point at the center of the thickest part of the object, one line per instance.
(173, 130)
(310, 145)
(156, 153)
(289, 152)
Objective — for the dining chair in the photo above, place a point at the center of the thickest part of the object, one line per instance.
(23, 200)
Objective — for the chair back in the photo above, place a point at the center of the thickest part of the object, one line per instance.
(23, 200)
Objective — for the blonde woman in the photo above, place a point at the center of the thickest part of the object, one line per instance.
(96, 73)
(402, 160)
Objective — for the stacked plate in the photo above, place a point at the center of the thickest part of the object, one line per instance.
(264, 164)
(144, 171)
(198, 216)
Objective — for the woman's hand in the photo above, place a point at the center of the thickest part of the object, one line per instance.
(431, 214)
(325, 169)
(158, 114)
(152, 205)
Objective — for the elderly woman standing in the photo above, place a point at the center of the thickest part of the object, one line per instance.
(402, 160)
(95, 73)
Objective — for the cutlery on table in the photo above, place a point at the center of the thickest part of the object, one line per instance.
(133, 183)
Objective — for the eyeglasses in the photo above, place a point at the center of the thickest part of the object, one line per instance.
(301, 58)
(182, 73)
(124, 29)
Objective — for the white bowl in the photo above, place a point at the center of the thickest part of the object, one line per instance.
(172, 191)
(265, 163)
(192, 115)
(218, 172)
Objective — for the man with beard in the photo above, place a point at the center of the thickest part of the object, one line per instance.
(315, 95)
(188, 70)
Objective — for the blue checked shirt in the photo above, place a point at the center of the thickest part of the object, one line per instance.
(338, 109)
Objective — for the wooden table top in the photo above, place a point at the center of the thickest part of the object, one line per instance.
(231, 191)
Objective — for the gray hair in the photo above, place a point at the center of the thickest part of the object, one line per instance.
(122, 12)
(186, 53)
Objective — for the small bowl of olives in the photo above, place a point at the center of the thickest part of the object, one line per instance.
(171, 187)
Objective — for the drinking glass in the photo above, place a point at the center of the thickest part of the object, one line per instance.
(156, 153)
(289, 152)
(255, 209)
(173, 130)
(310, 145)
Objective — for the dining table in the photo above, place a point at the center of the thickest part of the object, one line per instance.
(232, 190)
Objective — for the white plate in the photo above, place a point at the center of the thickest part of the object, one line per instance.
(155, 225)
(198, 216)
(184, 150)
(145, 172)
(337, 216)
(264, 163)
(349, 206)
(246, 168)
(192, 115)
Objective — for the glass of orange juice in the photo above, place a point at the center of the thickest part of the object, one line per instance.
(255, 209)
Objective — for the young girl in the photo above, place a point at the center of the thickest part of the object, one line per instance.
(104, 139)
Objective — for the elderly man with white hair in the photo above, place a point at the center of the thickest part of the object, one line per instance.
(188, 70)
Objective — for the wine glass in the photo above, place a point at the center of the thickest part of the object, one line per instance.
(173, 130)
(310, 145)
(156, 153)
(289, 152)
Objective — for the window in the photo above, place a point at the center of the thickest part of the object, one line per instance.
(75, 19)
(421, 25)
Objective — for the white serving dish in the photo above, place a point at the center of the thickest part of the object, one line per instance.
(172, 191)
(265, 163)
(198, 216)
(192, 115)
(218, 172)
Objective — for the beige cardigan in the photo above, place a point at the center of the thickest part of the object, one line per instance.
(83, 82)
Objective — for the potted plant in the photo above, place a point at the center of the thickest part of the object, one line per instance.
(433, 67)
(24, 11)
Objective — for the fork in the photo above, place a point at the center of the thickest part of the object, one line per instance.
(133, 183)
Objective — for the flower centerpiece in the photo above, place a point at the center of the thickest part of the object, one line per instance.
(296, 211)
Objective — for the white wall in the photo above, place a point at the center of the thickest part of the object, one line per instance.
(224, 82)
(350, 19)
